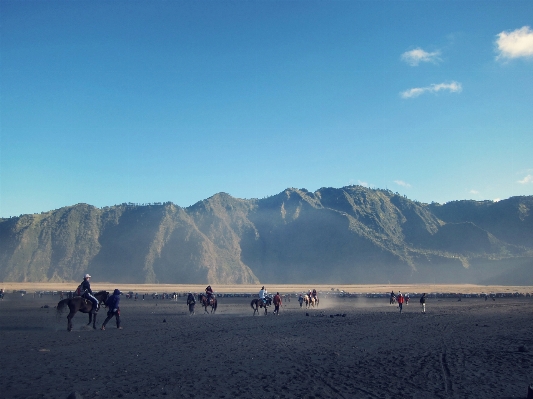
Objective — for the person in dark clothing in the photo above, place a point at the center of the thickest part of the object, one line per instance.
(86, 292)
(209, 293)
(191, 302)
(423, 302)
(277, 303)
(112, 304)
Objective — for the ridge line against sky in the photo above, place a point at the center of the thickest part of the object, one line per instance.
(112, 102)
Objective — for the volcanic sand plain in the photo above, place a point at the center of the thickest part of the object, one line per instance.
(282, 288)
(345, 348)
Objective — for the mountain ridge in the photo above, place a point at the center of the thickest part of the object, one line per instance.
(351, 234)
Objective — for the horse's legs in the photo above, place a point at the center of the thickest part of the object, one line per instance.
(69, 321)
(90, 318)
(94, 321)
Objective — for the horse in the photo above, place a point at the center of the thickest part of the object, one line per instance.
(307, 301)
(313, 301)
(259, 303)
(80, 304)
(205, 303)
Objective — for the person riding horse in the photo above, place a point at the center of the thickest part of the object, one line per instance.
(87, 293)
(262, 294)
(209, 293)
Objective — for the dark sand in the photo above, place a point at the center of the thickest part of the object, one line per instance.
(468, 349)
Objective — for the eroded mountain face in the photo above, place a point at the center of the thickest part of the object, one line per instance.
(352, 235)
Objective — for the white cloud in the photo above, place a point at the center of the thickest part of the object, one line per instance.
(453, 87)
(475, 192)
(402, 183)
(515, 44)
(496, 200)
(416, 56)
(526, 180)
(363, 183)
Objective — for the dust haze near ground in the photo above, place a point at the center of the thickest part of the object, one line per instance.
(282, 288)
(345, 348)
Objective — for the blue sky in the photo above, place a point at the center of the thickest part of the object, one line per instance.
(137, 101)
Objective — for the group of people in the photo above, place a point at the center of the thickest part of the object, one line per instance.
(276, 300)
(401, 299)
(112, 301)
(311, 294)
(114, 311)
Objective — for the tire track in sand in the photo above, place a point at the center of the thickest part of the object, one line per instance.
(446, 375)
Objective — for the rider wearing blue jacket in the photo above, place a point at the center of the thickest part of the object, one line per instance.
(112, 304)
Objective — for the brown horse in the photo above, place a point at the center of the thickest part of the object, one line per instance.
(80, 304)
(205, 303)
(259, 303)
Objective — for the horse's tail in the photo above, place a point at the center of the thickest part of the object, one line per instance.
(215, 305)
(60, 306)
(252, 303)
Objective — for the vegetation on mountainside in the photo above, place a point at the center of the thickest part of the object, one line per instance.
(352, 235)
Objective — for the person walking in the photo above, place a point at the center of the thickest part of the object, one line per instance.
(191, 302)
(423, 302)
(112, 304)
(277, 303)
(400, 301)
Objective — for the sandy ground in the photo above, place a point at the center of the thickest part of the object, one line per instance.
(282, 288)
(468, 349)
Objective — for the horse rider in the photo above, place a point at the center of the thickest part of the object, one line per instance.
(262, 294)
(209, 293)
(314, 294)
(88, 293)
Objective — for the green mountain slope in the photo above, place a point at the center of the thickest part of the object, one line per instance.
(350, 235)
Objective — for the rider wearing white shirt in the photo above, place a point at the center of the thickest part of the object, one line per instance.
(262, 293)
